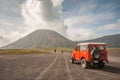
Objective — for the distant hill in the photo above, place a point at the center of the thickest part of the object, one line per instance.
(113, 41)
(41, 39)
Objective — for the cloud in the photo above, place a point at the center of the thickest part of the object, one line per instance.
(86, 20)
(8, 37)
(3, 39)
(5, 23)
(10, 8)
(44, 14)
(83, 27)
(110, 26)
(10, 31)
(80, 34)
(113, 26)
(57, 2)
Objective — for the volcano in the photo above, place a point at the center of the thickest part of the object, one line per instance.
(43, 38)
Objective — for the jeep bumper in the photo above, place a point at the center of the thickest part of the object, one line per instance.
(97, 61)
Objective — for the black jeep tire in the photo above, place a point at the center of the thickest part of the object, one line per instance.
(72, 60)
(85, 64)
(94, 53)
(101, 64)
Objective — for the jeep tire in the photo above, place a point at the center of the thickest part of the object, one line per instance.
(84, 64)
(94, 53)
(72, 60)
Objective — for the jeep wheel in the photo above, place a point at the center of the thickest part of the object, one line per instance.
(84, 64)
(101, 64)
(96, 54)
(72, 60)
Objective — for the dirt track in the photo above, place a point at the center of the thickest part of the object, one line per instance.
(54, 66)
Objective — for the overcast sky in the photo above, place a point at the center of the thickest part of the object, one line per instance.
(75, 19)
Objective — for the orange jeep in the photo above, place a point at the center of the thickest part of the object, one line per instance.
(90, 54)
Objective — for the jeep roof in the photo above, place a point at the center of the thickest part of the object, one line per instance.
(92, 43)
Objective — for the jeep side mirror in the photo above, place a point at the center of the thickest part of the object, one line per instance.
(89, 48)
(77, 48)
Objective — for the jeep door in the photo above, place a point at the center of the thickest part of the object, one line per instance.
(84, 52)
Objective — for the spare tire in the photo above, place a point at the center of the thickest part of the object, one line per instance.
(96, 54)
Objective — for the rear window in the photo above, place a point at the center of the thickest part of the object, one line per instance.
(83, 47)
(101, 47)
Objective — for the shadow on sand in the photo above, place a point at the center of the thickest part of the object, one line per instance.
(111, 69)
(107, 68)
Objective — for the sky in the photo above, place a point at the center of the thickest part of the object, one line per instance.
(75, 19)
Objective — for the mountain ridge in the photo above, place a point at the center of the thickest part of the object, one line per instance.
(45, 38)
(112, 41)
(42, 38)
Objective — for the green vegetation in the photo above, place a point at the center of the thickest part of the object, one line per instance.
(40, 51)
(64, 49)
(22, 51)
(59, 49)
(33, 51)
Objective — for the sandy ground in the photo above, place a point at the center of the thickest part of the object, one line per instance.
(55, 66)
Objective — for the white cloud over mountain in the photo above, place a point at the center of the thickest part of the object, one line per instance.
(44, 14)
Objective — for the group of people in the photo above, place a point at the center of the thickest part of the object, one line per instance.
(56, 51)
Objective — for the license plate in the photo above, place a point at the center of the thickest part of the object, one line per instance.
(95, 61)
(104, 61)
